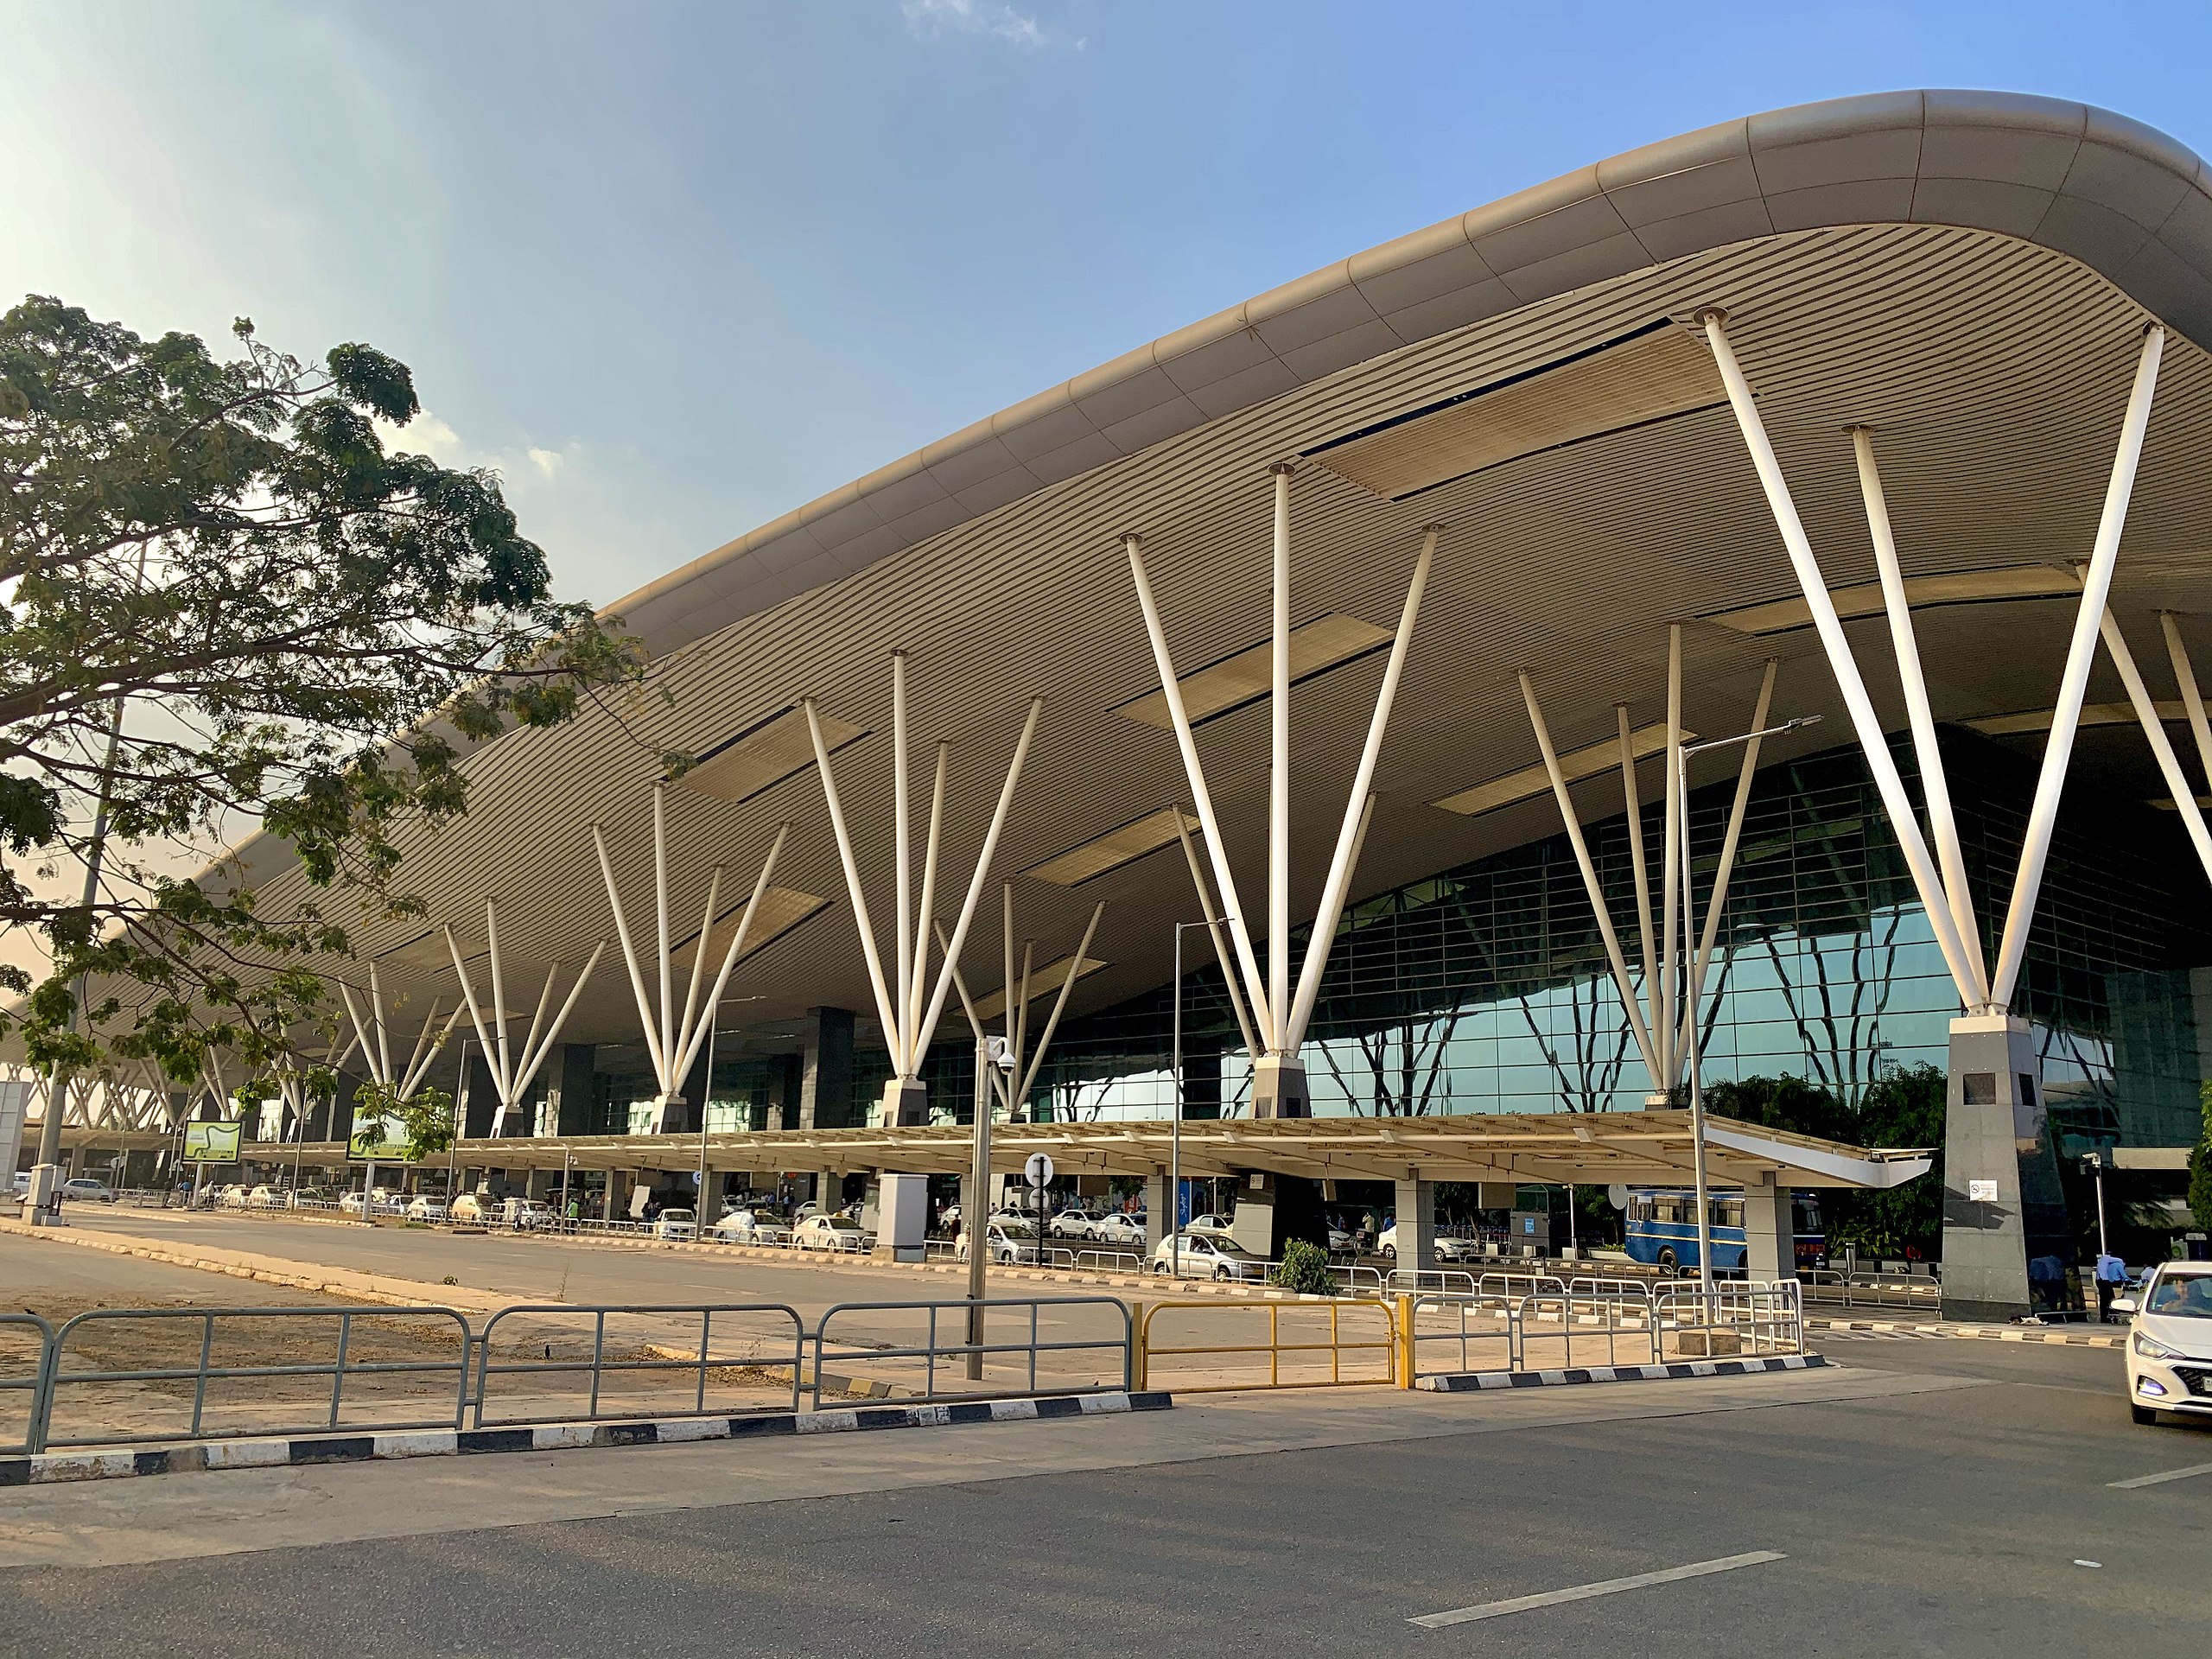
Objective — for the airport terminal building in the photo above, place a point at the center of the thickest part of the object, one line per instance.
(1354, 693)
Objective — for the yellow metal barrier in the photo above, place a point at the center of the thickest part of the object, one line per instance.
(1336, 1345)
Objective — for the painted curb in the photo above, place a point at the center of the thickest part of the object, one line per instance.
(50, 1468)
(1475, 1382)
(1970, 1333)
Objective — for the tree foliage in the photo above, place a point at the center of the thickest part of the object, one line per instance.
(1904, 1108)
(424, 1119)
(226, 604)
(1303, 1268)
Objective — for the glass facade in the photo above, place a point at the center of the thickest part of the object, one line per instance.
(1485, 989)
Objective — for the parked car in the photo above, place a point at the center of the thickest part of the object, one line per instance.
(1010, 1243)
(428, 1206)
(746, 1226)
(265, 1197)
(1073, 1224)
(472, 1206)
(1205, 1256)
(1449, 1246)
(820, 1232)
(2169, 1343)
(676, 1224)
(84, 1188)
(1218, 1225)
(307, 1198)
(1123, 1231)
(524, 1212)
(230, 1196)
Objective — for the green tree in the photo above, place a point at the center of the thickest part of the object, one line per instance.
(225, 604)
(1905, 1107)
(424, 1120)
(1303, 1268)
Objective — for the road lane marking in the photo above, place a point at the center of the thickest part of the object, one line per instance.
(2171, 1474)
(1585, 1591)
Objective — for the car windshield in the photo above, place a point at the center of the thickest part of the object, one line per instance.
(2181, 1296)
(1017, 1230)
(839, 1224)
(676, 1215)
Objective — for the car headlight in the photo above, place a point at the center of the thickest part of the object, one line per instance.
(2153, 1349)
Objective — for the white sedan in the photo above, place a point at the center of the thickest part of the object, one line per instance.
(1218, 1225)
(1072, 1223)
(1203, 1256)
(1123, 1231)
(1011, 1243)
(676, 1224)
(819, 1232)
(2169, 1343)
(428, 1206)
(1449, 1247)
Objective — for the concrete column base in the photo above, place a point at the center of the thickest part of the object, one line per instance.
(1279, 1087)
(1159, 1212)
(905, 1104)
(2002, 1205)
(1770, 1232)
(1416, 1241)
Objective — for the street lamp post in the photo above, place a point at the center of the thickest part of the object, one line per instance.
(1695, 990)
(1175, 1124)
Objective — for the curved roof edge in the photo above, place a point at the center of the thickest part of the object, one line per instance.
(2123, 198)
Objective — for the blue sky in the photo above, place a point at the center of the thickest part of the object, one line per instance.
(675, 270)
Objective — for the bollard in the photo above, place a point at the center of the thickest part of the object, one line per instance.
(1405, 1321)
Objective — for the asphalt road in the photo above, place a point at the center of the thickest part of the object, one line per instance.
(1917, 1516)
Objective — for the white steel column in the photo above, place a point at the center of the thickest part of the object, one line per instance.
(1927, 880)
(1934, 786)
(2146, 711)
(1359, 806)
(1662, 1030)
(511, 1080)
(1589, 883)
(853, 889)
(673, 1038)
(901, 855)
(1636, 858)
(1686, 1035)
(2081, 653)
(1279, 776)
(1208, 909)
(2191, 698)
(1172, 690)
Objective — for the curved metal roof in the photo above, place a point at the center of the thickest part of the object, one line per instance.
(1968, 272)
(2124, 199)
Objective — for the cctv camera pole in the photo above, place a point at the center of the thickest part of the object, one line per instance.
(971, 1224)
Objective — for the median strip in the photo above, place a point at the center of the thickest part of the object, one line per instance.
(61, 1466)
(1477, 1381)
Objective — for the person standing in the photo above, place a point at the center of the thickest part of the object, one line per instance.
(2111, 1273)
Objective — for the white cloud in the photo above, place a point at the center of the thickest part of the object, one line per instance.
(990, 18)
(426, 435)
(548, 461)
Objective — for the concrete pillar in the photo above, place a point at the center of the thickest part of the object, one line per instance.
(615, 1206)
(572, 1095)
(825, 1086)
(1416, 1223)
(710, 1199)
(1770, 1233)
(542, 1183)
(2001, 1199)
(971, 1204)
(1158, 1209)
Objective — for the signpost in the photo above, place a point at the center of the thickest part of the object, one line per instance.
(210, 1143)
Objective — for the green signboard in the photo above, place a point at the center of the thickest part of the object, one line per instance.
(212, 1143)
(377, 1140)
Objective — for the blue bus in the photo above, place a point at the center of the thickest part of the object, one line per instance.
(1662, 1226)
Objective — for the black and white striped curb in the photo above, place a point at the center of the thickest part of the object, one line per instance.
(1473, 1382)
(556, 1437)
(1974, 1332)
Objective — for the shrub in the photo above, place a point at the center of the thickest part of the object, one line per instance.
(1303, 1268)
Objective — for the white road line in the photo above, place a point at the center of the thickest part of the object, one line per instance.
(1583, 1592)
(2171, 1474)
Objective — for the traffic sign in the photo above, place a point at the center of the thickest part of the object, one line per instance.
(1039, 1169)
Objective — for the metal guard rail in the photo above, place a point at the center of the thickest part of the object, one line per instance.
(1336, 1347)
(598, 1366)
(33, 1385)
(975, 1346)
(338, 1369)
